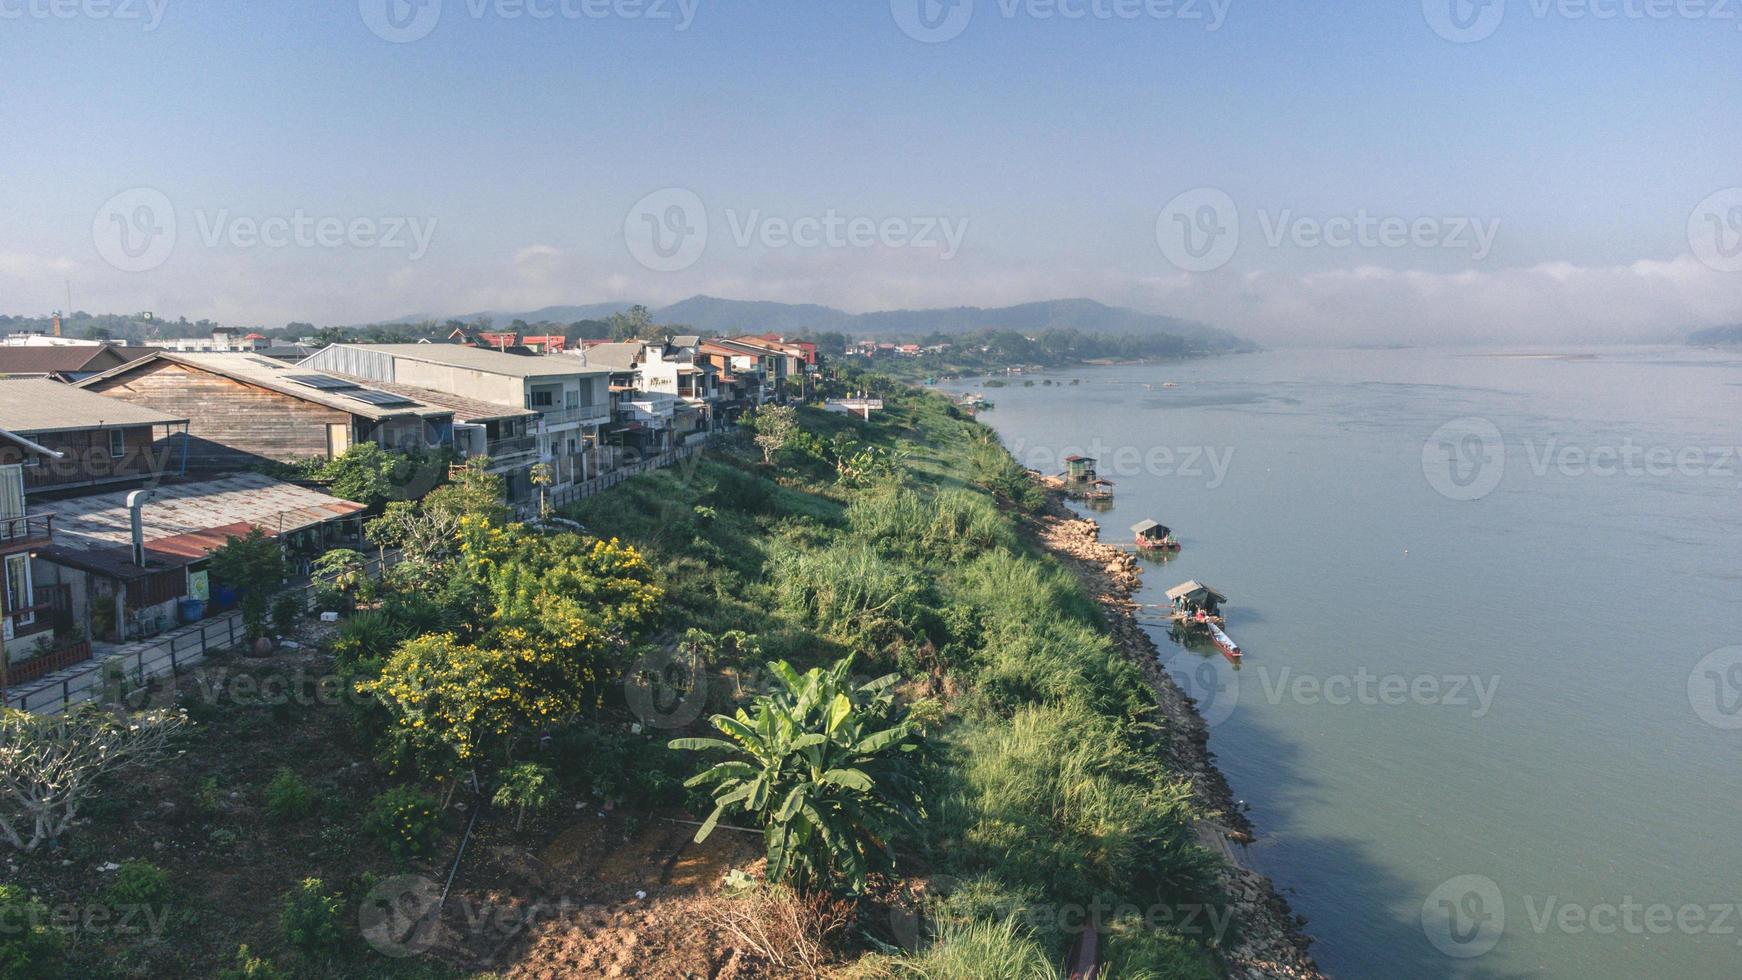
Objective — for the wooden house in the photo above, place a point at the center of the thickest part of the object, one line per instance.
(1080, 469)
(1153, 536)
(244, 409)
(65, 438)
(1194, 597)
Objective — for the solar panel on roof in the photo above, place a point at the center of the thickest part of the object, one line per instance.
(320, 381)
(378, 397)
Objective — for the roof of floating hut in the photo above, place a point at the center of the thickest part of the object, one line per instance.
(1192, 589)
(1143, 527)
(1101, 483)
(1079, 459)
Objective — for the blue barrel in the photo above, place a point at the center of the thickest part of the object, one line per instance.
(192, 610)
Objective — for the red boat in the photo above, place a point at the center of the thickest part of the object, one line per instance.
(1224, 642)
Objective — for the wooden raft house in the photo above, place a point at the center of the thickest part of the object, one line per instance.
(1196, 606)
(1151, 535)
(1099, 491)
(1080, 470)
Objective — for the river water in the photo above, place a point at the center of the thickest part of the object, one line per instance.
(1489, 721)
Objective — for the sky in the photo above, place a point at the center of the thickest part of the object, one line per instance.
(1299, 173)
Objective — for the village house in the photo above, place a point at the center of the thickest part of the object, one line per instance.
(572, 400)
(671, 368)
(65, 362)
(64, 438)
(244, 409)
(752, 375)
(127, 562)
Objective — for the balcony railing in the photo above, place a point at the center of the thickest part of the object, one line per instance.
(511, 446)
(585, 414)
(30, 529)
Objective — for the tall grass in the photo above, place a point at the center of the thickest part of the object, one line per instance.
(949, 525)
(969, 951)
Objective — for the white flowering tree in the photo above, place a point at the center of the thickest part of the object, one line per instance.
(51, 765)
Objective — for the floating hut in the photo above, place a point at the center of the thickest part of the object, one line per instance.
(1154, 536)
(1099, 491)
(1079, 469)
(1197, 606)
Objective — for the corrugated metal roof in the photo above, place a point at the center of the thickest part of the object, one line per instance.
(90, 530)
(479, 359)
(1191, 588)
(465, 409)
(616, 357)
(39, 405)
(275, 376)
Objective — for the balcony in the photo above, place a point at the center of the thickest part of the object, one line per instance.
(500, 449)
(26, 533)
(584, 415)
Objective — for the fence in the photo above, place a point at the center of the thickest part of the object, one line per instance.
(139, 661)
(563, 496)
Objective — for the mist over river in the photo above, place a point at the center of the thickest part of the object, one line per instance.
(1489, 722)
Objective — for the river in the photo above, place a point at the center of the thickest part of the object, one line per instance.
(1489, 721)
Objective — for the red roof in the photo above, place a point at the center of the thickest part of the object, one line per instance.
(255, 336)
(198, 544)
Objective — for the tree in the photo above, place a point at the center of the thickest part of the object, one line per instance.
(636, 323)
(371, 475)
(528, 786)
(50, 765)
(542, 477)
(346, 570)
(827, 779)
(254, 564)
(775, 426)
(427, 531)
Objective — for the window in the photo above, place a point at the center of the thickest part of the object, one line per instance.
(117, 443)
(18, 593)
(543, 398)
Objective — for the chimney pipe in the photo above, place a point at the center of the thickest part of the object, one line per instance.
(135, 504)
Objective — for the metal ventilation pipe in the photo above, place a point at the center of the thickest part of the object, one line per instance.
(135, 504)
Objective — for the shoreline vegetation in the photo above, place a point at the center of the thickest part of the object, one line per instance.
(538, 713)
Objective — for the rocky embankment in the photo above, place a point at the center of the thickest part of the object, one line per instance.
(1271, 942)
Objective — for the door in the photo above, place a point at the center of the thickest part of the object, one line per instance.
(338, 439)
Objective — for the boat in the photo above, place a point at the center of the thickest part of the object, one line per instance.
(1224, 642)
(1152, 535)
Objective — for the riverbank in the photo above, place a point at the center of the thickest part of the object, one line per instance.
(1272, 941)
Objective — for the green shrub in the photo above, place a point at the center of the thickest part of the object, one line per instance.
(308, 917)
(29, 949)
(1134, 953)
(973, 951)
(138, 883)
(1058, 799)
(288, 797)
(287, 609)
(368, 635)
(404, 819)
(249, 967)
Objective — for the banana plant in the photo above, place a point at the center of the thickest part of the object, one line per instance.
(826, 768)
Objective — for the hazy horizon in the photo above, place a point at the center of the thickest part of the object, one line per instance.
(1433, 172)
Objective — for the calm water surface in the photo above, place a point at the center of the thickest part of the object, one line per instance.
(1514, 701)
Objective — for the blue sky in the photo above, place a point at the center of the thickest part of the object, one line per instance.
(525, 146)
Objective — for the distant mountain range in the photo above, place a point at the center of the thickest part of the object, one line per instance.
(743, 316)
(1730, 336)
